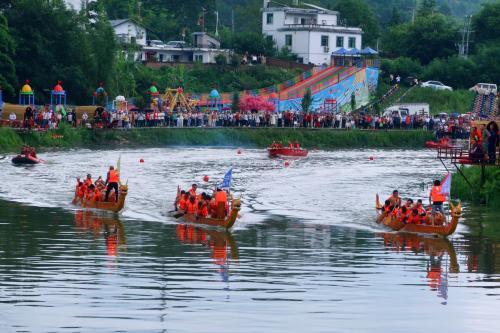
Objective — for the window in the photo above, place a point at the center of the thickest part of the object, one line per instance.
(340, 41)
(269, 18)
(352, 42)
(288, 40)
(324, 40)
(302, 21)
(198, 58)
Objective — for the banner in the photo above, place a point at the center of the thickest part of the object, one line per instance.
(446, 185)
(226, 183)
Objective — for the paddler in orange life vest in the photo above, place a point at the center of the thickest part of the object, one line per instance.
(88, 181)
(191, 206)
(112, 181)
(437, 198)
(395, 199)
(192, 190)
(221, 196)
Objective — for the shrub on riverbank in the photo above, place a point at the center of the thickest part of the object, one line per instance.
(441, 100)
(488, 194)
(67, 137)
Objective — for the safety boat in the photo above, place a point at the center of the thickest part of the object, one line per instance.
(440, 227)
(26, 159)
(277, 150)
(220, 219)
(441, 143)
(109, 205)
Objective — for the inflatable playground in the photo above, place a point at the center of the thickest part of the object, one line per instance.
(332, 89)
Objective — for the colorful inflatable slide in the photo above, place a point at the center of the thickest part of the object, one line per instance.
(331, 89)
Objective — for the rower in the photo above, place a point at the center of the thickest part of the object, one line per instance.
(394, 198)
(436, 198)
(112, 181)
(99, 183)
(192, 190)
(88, 181)
(290, 145)
(191, 206)
(221, 197)
(419, 206)
(297, 145)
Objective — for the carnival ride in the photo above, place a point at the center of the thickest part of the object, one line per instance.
(26, 94)
(58, 96)
(100, 96)
(176, 98)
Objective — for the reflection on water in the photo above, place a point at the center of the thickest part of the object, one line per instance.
(439, 252)
(222, 245)
(101, 224)
(305, 256)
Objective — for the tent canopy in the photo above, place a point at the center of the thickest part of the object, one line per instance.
(368, 50)
(340, 51)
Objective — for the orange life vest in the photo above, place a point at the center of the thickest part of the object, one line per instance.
(182, 203)
(220, 196)
(191, 207)
(436, 194)
(204, 211)
(113, 176)
(87, 182)
(97, 194)
(192, 191)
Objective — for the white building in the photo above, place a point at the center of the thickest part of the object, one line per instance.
(204, 49)
(311, 32)
(127, 31)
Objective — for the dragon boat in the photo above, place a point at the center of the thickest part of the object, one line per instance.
(110, 205)
(220, 219)
(440, 227)
(441, 143)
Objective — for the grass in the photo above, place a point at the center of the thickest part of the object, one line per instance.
(65, 138)
(488, 194)
(441, 100)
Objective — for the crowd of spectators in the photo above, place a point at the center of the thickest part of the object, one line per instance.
(44, 118)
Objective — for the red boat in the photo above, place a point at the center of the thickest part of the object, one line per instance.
(441, 143)
(277, 150)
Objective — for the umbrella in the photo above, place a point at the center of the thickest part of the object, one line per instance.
(340, 51)
(369, 51)
(353, 51)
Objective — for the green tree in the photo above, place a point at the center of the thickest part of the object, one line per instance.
(486, 24)
(7, 67)
(358, 13)
(307, 101)
(253, 43)
(455, 71)
(395, 17)
(416, 40)
(427, 7)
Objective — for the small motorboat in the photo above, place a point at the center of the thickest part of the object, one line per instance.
(26, 159)
(440, 227)
(110, 205)
(277, 150)
(441, 143)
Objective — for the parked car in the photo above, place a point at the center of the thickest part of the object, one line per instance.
(436, 85)
(485, 88)
(155, 43)
(176, 44)
(405, 109)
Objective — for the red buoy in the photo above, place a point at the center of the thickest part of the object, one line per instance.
(371, 158)
(206, 178)
(141, 160)
(238, 152)
(287, 164)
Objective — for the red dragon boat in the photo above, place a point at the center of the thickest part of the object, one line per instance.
(111, 205)
(440, 226)
(278, 150)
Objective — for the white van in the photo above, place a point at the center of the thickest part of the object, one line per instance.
(405, 109)
(485, 88)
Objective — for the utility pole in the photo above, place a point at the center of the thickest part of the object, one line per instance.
(463, 48)
(232, 20)
(216, 24)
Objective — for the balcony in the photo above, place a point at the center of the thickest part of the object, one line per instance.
(320, 27)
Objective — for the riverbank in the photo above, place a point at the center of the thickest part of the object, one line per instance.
(66, 138)
(488, 194)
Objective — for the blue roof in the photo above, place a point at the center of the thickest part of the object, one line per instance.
(353, 51)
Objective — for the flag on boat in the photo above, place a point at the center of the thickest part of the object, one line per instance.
(226, 183)
(446, 185)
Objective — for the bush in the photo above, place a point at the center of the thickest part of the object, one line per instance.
(401, 66)
(441, 100)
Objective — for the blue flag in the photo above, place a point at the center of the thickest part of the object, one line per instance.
(226, 183)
